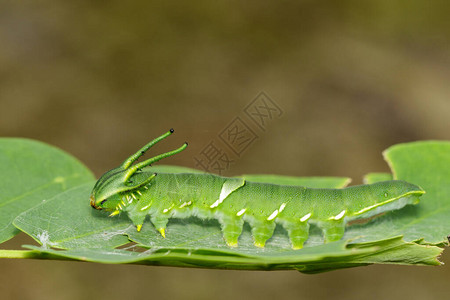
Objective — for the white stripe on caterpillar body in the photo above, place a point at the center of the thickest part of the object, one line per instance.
(232, 201)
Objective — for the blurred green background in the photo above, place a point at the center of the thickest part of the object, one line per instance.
(101, 78)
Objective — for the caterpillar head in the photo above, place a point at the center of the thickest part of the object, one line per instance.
(109, 190)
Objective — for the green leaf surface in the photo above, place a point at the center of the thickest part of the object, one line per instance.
(68, 222)
(318, 259)
(426, 164)
(376, 177)
(390, 251)
(204, 258)
(33, 172)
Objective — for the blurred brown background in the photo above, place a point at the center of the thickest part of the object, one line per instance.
(101, 78)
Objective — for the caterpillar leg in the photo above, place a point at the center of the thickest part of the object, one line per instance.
(333, 230)
(232, 229)
(298, 233)
(262, 230)
(137, 219)
(160, 224)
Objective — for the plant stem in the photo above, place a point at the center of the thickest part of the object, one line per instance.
(18, 254)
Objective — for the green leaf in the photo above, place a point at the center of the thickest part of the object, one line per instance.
(67, 221)
(204, 258)
(392, 251)
(426, 164)
(377, 177)
(33, 172)
(313, 260)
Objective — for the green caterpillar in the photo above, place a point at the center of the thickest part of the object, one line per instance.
(140, 192)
